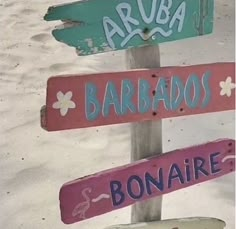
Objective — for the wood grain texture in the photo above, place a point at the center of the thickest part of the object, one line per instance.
(140, 95)
(105, 25)
(185, 223)
(144, 179)
(146, 137)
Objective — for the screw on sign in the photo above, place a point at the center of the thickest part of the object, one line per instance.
(185, 223)
(123, 186)
(139, 95)
(105, 25)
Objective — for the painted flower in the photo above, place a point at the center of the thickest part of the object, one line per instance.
(227, 86)
(64, 102)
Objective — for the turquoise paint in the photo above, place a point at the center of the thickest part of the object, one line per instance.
(93, 106)
(177, 91)
(173, 96)
(206, 85)
(127, 95)
(111, 99)
(193, 84)
(155, 22)
(144, 101)
(161, 95)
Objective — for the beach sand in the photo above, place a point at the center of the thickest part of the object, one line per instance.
(34, 164)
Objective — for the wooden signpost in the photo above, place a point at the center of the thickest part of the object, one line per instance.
(117, 188)
(111, 98)
(100, 26)
(185, 223)
(151, 94)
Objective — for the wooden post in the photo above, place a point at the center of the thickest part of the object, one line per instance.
(146, 137)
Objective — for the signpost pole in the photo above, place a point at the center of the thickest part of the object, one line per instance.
(146, 137)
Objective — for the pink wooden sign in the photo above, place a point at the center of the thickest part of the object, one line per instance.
(110, 98)
(117, 188)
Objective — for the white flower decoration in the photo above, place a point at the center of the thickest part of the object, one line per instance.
(64, 102)
(227, 86)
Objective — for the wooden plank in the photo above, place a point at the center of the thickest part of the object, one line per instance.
(154, 94)
(100, 26)
(117, 188)
(185, 223)
(146, 137)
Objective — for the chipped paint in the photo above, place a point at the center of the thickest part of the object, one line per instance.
(89, 26)
(89, 42)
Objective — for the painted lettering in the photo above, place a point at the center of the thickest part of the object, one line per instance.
(192, 85)
(92, 105)
(127, 94)
(164, 178)
(149, 180)
(174, 173)
(140, 98)
(131, 187)
(207, 89)
(118, 196)
(177, 92)
(199, 163)
(179, 16)
(187, 170)
(144, 16)
(214, 163)
(111, 99)
(127, 19)
(144, 100)
(161, 18)
(164, 9)
(115, 29)
(161, 95)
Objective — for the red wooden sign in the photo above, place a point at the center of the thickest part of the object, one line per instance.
(117, 188)
(110, 98)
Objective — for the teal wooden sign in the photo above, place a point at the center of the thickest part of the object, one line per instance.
(96, 26)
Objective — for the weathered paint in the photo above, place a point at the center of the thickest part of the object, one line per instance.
(110, 98)
(145, 137)
(184, 223)
(100, 26)
(117, 188)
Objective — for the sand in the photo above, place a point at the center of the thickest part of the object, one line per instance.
(34, 163)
